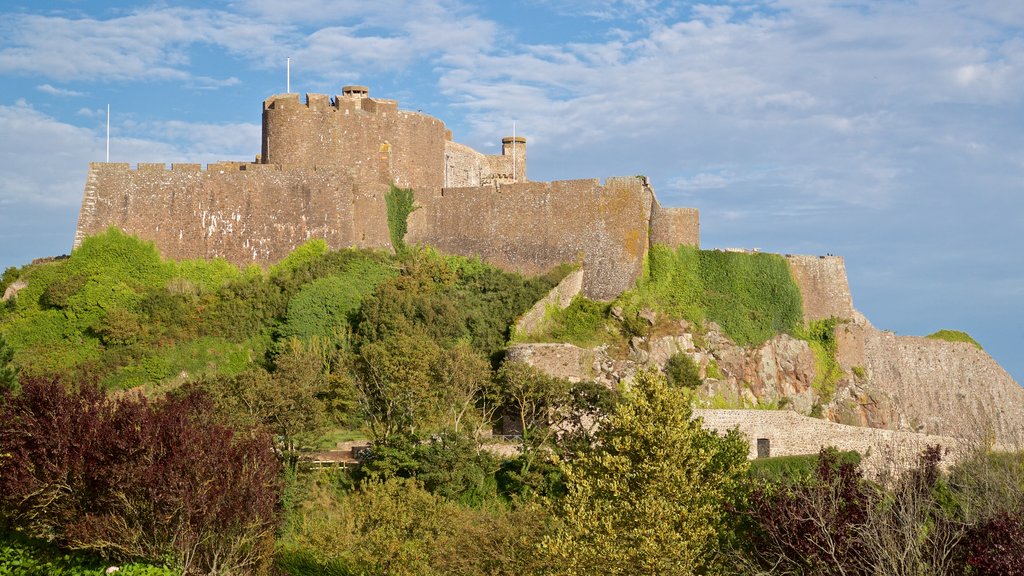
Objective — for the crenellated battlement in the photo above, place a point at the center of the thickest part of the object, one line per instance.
(325, 103)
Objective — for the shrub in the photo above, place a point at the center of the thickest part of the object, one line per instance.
(996, 547)
(129, 479)
(400, 203)
(955, 336)
(580, 323)
(682, 371)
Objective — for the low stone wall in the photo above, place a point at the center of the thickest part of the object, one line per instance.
(559, 297)
(790, 434)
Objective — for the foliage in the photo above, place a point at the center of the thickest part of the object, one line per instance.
(582, 322)
(682, 371)
(809, 525)
(449, 465)
(395, 378)
(21, 556)
(325, 306)
(10, 276)
(996, 547)
(821, 336)
(130, 479)
(396, 527)
(449, 299)
(652, 496)
(302, 256)
(400, 203)
(8, 375)
(793, 468)
(288, 401)
(532, 401)
(955, 336)
(751, 296)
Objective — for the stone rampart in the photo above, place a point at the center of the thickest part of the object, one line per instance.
(240, 212)
(823, 286)
(790, 434)
(675, 226)
(559, 298)
(532, 227)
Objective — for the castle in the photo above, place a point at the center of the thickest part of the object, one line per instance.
(327, 164)
(325, 167)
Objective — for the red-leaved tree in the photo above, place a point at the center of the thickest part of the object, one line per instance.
(130, 478)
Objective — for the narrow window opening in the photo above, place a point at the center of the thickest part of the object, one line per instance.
(764, 448)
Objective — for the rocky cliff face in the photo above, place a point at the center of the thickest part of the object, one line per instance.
(887, 381)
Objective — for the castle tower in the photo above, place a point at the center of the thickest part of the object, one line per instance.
(514, 148)
(356, 92)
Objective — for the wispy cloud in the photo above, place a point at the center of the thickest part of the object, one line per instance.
(53, 91)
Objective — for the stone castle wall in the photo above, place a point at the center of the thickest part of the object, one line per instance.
(675, 226)
(532, 227)
(791, 434)
(823, 286)
(241, 212)
(324, 171)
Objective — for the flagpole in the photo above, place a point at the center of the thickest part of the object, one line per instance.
(108, 133)
(289, 85)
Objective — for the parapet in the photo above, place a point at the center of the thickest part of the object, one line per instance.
(674, 227)
(824, 287)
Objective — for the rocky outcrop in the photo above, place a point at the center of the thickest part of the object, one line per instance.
(935, 386)
(888, 382)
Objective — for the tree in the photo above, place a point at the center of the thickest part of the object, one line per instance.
(287, 401)
(8, 375)
(464, 384)
(396, 384)
(652, 496)
(533, 398)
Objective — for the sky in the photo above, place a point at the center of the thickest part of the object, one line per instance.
(887, 132)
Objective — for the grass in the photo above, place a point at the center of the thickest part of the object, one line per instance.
(955, 336)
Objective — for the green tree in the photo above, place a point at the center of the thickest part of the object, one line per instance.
(533, 400)
(288, 400)
(652, 496)
(395, 380)
(8, 375)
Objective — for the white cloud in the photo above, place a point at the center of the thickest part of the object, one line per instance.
(53, 91)
(48, 159)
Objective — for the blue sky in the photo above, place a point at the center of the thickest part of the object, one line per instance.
(887, 132)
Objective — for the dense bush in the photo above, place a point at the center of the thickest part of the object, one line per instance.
(397, 528)
(809, 525)
(131, 479)
(955, 336)
(653, 495)
(682, 371)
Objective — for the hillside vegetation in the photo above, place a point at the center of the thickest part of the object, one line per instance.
(163, 416)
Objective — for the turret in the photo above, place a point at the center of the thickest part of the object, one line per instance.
(514, 147)
(355, 92)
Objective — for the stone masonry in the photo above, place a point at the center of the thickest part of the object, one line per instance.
(324, 170)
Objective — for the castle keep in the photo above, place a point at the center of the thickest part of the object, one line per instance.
(323, 172)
